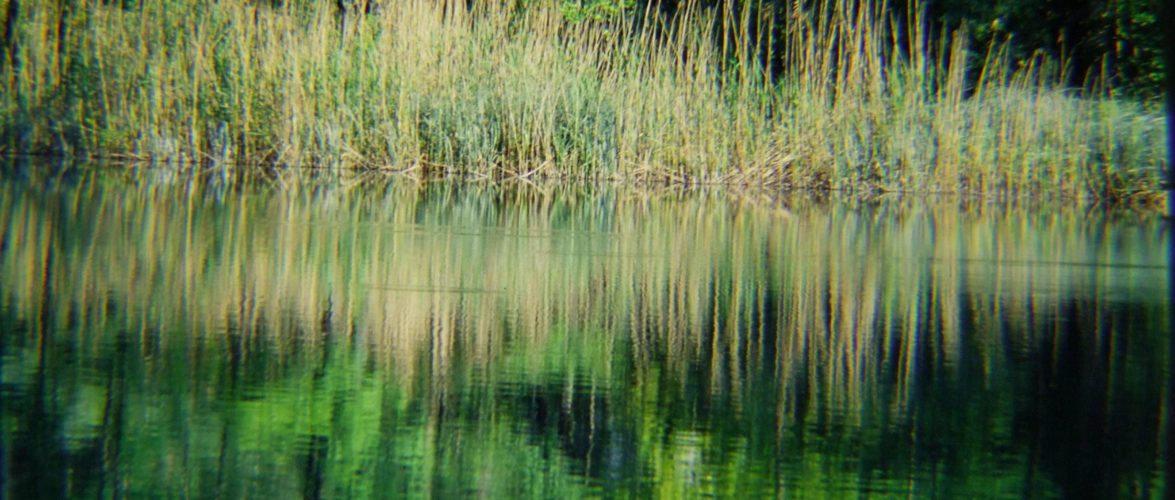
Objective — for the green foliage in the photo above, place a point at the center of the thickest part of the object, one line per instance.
(1113, 42)
(595, 10)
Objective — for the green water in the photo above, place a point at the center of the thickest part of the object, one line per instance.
(170, 335)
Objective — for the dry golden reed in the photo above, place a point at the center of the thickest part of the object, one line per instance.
(864, 102)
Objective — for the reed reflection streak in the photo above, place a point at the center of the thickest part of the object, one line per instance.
(443, 339)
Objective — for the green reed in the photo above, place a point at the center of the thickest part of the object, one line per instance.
(864, 102)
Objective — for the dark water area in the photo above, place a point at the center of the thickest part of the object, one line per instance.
(350, 335)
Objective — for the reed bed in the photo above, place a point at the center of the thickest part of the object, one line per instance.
(864, 102)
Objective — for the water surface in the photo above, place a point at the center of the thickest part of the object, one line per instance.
(175, 335)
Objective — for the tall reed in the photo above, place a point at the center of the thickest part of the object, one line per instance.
(863, 102)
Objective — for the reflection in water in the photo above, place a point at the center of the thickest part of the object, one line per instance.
(175, 336)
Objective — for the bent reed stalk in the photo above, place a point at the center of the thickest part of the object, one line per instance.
(864, 102)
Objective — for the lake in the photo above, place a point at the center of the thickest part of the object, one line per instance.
(323, 334)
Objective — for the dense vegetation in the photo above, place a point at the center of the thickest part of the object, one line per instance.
(836, 94)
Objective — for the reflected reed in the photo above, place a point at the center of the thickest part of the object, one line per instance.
(711, 342)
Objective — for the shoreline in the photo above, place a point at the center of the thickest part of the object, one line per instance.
(201, 174)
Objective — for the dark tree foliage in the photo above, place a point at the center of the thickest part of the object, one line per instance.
(1115, 42)
(9, 40)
